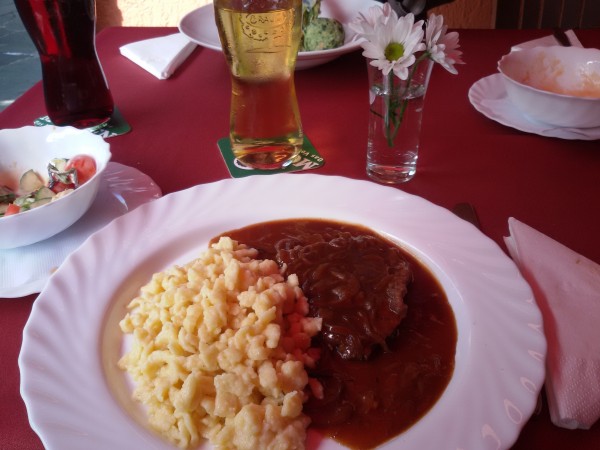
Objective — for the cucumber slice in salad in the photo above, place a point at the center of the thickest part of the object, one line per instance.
(43, 193)
(30, 181)
(35, 199)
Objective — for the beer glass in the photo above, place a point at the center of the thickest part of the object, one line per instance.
(260, 40)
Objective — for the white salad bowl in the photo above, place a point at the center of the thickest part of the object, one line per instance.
(556, 85)
(30, 147)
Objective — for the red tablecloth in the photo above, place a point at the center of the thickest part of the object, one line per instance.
(550, 184)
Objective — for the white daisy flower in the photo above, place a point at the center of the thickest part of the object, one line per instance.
(441, 46)
(392, 46)
(375, 16)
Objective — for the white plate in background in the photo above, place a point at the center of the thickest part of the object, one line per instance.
(488, 96)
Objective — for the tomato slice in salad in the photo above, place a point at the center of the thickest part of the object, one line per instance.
(84, 165)
(12, 209)
(59, 186)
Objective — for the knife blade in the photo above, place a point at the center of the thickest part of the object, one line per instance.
(466, 211)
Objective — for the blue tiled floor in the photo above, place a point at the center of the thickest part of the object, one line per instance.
(19, 62)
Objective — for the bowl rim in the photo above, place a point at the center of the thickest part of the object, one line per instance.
(535, 50)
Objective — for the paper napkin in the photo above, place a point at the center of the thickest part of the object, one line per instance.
(566, 286)
(547, 41)
(160, 56)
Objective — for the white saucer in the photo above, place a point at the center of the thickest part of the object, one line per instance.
(489, 97)
(25, 270)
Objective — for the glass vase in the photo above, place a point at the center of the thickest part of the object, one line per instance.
(395, 115)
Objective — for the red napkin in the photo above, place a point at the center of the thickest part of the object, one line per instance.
(566, 286)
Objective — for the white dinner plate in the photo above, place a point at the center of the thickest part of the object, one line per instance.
(77, 398)
(200, 27)
(488, 96)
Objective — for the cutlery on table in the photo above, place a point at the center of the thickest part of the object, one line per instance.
(466, 211)
(562, 37)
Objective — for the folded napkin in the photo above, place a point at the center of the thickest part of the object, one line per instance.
(566, 286)
(160, 56)
(547, 41)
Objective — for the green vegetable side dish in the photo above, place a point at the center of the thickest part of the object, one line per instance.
(319, 33)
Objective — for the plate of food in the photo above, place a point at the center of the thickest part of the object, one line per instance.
(290, 310)
(200, 27)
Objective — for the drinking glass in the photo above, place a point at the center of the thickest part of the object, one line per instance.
(260, 40)
(64, 33)
(395, 115)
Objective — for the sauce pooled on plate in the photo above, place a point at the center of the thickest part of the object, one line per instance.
(388, 338)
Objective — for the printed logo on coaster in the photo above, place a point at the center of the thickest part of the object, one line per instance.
(308, 159)
(115, 126)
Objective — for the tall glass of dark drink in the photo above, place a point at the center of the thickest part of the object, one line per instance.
(64, 33)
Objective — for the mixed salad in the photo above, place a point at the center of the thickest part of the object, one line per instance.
(64, 176)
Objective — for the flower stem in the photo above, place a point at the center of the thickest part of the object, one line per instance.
(390, 110)
(397, 102)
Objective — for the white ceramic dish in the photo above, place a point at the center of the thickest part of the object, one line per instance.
(488, 96)
(76, 397)
(556, 85)
(25, 270)
(200, 27)
(32, 148)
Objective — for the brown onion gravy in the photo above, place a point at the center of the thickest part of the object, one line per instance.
(370, 400)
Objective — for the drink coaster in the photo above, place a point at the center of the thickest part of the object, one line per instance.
(115, 126)
(308, 159)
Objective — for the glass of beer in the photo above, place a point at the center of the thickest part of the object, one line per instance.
(260, 40)
(64, 33)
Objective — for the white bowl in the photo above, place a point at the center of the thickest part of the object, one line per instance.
(33, 148)
(200, 27)
(559, 86)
